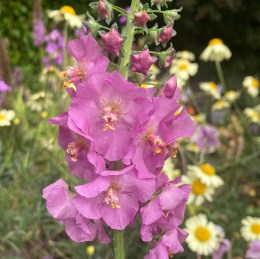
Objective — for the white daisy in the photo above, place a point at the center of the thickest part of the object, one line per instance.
(251, 228)
(220, 105)
(169, 169)
(68, 14)
(216, 51)
(252, 85)
(253, 114)
(202, 237)
(210, 88)
(200, 191)
(154, 70)
(6, 116)
(231, 96)
(39, 101)
(183, 69)
(185, 54)
(207, 174)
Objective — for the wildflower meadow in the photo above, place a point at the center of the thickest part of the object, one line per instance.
(129, 129)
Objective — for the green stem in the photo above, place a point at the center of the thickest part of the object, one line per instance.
(65, 38)
(104, 27)
(120, 10)
(129, 41)
(221, 76)
(119, 244)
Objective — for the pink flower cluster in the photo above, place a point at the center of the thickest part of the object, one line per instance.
(112, 121)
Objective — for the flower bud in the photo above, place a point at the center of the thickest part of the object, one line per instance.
(101, 8)
(166, 35)
(141, 18)
(169, 88)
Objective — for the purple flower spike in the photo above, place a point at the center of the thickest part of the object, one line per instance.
(141, 18)
(112, 42)
(253, 252)
(166, 35)
(102, 11)
(142, 62)
(169, 88)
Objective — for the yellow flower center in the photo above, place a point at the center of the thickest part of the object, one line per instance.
(255, 83)
(68, 9)
(2, 117)
(202, 234)
(255, 115)
(207, 169)
(215, 41)
(256, 228)
(90, 250)
(198, 187)
(213, 85)
(183, 66)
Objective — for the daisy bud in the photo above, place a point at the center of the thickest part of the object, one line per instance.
(112, 42)
(101, 8)
(142, 62)
(166, 35)
(141, 18)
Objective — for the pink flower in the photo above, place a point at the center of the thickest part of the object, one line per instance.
(166, 35)
(141, 18)
(102, 11)
(142, 62)
(169, 88)
(90, 61)
(108, 109)
(112, 42)
(114, 196)
(253, 252)
(169, 59)
(81, 155)
(59, 200)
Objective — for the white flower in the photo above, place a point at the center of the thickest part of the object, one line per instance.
(220, 105)
(215, 51)
(251, 228)
(39, 101)
(253, 114)
(169, 169)
(202, 237)
(231, 96)
(185, 54)
(68, 14)
(210, 88)
(207, 174)
(154, 70)
(183, 69)
(252, 85)
(200, 191)
(6, 116)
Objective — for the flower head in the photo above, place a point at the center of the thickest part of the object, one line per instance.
(112, 42)
(231, 96)
(253, 252)
(215, 51)
(220, 105)
(251, 228)
(252, 85)
(141, 18)
(6, 116)
(253, 114)
(166, 35)
(202, 237)
(185, 54)
(142, 62)
(210, 88)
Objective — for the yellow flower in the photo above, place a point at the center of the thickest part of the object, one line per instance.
(252, 85)
(90, 250)
(220, 105)
(68, 14)
(210, 88)
(6, 116)
(202, 237)
(251, 228)
(215, 51)
(44, 114)
(16, 121)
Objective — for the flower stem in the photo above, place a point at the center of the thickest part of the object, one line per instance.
(129, 41)
(119, 244)
(221, 76)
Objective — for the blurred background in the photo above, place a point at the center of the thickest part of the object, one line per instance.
(30, 157)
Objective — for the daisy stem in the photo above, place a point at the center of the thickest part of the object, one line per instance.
(221, 76)
(129, 41)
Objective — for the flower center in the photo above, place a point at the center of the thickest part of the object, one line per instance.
(112, 198)
(110, 116)
(155, 142)
(173, 148)
(255, 83)
(255, 115)
(183, 66)
(213, 86)
(202, 234)
(68, 9)
(215, 41)
(256, 228)
(71, 75)
(198, 187)
(207, 169)
(75, 148)
(2, 117)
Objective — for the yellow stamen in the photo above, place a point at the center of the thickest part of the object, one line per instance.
(215, 41)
